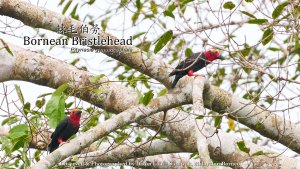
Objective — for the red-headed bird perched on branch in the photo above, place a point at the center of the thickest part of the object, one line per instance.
(65, 129)
(194, 63)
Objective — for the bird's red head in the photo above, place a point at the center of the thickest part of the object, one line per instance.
(75, 116)
(212, 55)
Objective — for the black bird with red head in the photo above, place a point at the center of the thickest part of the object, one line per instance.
(194, 63)
(65, 129)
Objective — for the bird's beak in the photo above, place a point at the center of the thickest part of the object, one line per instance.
(78, 112)
(221, 57)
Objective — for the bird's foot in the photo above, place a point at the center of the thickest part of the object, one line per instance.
(199, 75)
(62, 143)
(191, 73)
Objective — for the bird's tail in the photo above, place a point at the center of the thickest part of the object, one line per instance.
(52, 146)
(175, 82)
(172, 73)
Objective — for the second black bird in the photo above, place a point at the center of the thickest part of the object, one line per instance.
(65, 129)
(194, 63)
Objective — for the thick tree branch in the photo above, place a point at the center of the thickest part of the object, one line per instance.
(39, 17)
(199, 110)
(167, 161)
(120, 153)
(222, 146)
(39, 69)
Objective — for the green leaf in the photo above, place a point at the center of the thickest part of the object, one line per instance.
(147, 97)
(180, 44)
(61, 2)
(18, 144)
(278, 10)
(269, 99)
(6, 47)
(73, 13)
(257, 21)
(231, 125)
(37, 155)
(138, 4)
(140, 96)
(200, 117)
(19, 93)
(60, 89)
(7, 145)
(162, 92)
(218, 121)
(249, 1)
(246, 50)
(97, 91)
(123, 3)
(163, 40)
(9, 120)
(145, 46)
(233, 86)
(138, 139)
(26, 108)
(296, 41)
(267, 36)
(188, 52)
(137, 35)
(25, 158)
(153, 7)
(43, 95)
(248, 14)
(91, 2)
(258, 153)
(18, 131)
(169, 11)
(242, 146)
(55, 108)
(134, 17)
(104, 23)
(40, 103)
(221, 72)
(146, 84)
(66, 7)
(259, 126)
(183, 4)
(69, 105)
(194, 155)
(229, 5)
(132, 80)
(121, 137)
(274, 49)
(75, 61)
(96, 78)
(74, 159)
(91, 123)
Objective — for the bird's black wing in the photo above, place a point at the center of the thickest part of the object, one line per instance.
(186, 63)
(59, 128)
(76, 130)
